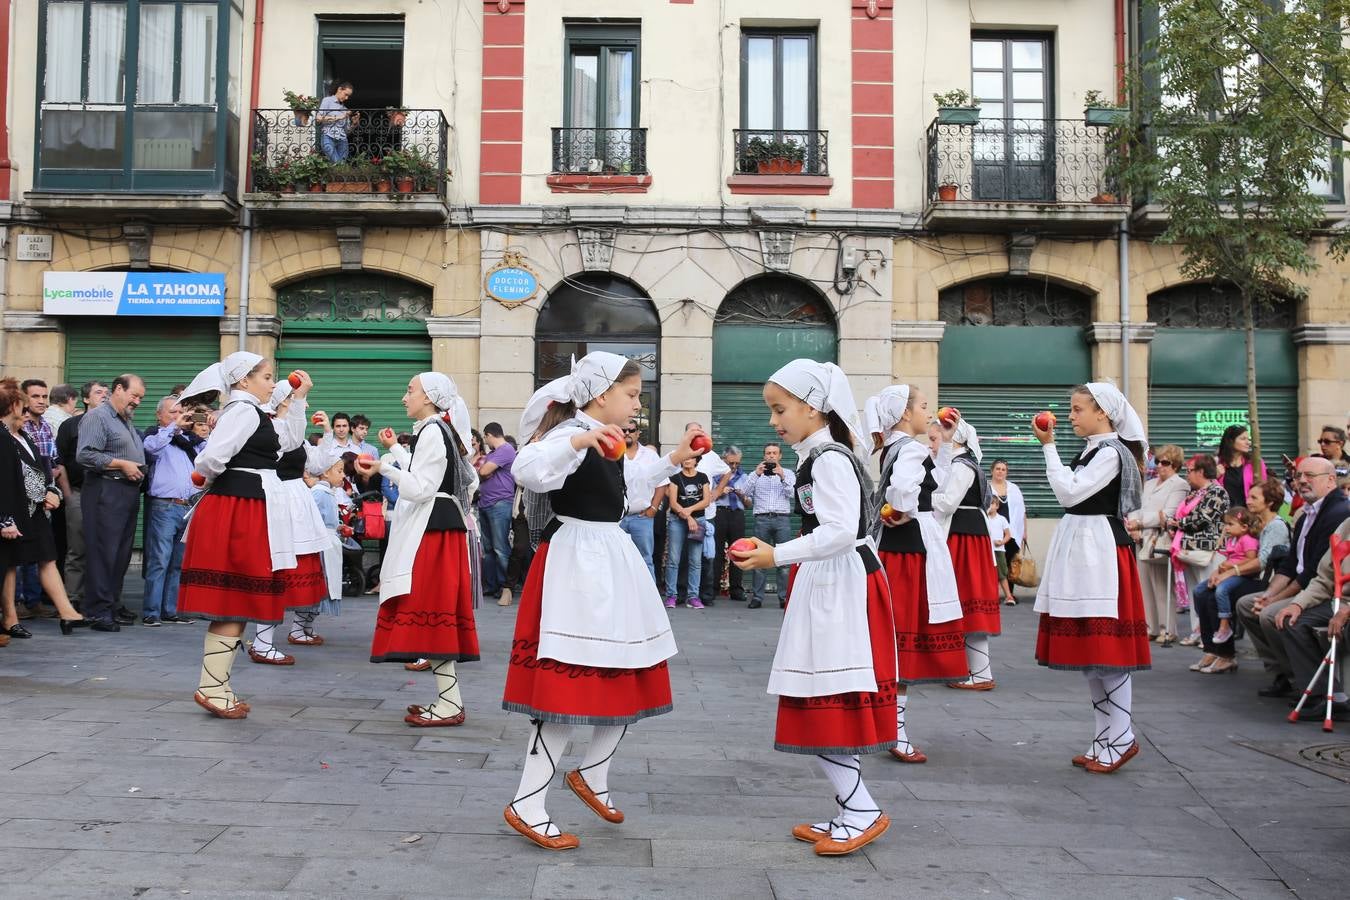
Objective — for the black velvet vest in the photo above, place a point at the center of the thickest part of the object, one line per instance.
(1105, 502)
(907, 538)
(969, 517)
(259, 452)
(810, 522)
(445, 513)
(593, 493)
(292, 464)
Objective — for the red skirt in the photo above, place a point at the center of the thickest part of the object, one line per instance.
(435, 619)
(227, 566)
(553, 691)
(1115, 645)
(855, 722)
(976, 583)
(928, 653)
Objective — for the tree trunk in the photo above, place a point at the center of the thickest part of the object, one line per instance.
(1249, 326)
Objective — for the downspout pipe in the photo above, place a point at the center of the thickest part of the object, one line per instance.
(246, 220)
(1123, 236)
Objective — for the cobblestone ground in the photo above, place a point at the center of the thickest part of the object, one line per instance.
(114, 784)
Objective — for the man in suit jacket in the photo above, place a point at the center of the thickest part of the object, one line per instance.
(1324, 509)
(1300, 621)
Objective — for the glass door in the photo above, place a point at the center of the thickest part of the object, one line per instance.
(601, 102)
(778, 97)
(1013, 144)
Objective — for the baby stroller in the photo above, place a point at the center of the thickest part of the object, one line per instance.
(365, 518)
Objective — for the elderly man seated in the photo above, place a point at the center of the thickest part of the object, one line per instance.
(1301, 623)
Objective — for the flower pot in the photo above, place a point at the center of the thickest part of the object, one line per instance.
(779, 165)
(301, 117)
(288, 188)
(397, 119)
(315, 187)
(348, 187)
(1103, 115)
(403, 184)
(383, 186)
(946, 192)
(959, 115)
(1105, 197)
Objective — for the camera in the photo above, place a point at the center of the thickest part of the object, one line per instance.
(769, 467)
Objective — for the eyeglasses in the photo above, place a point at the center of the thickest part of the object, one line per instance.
(1165, 462)
(630, 431)
(1329, 441)
(1308, 476)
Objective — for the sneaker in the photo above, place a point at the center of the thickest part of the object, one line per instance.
(150, 622)
(694, 603)
(177, 620)
(670, 603)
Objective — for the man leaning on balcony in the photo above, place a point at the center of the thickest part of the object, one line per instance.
(336, 121)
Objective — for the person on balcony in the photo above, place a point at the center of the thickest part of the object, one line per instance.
(336, 122)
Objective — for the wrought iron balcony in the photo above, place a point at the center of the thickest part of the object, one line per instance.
(386, 152)
(600, 151)
(770, 152)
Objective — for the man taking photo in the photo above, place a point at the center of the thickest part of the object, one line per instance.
(769, 489)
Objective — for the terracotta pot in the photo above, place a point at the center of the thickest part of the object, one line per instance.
(288, 188)
(316, 187)
(397, 119)
(1105, 198)
(382, 186)
(403, 184)
(946, 192)
(348, 187)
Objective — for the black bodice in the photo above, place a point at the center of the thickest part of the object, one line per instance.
(810, 521)
(260, 451)
(907, 538)
(291, 466)
(969, 517)
(445, 513)
(1105, 502)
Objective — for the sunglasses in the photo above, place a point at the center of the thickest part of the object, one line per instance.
(1165, 462)
(1329, 441)
(630, 431)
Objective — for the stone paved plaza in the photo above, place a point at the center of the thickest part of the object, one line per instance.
(115, 784)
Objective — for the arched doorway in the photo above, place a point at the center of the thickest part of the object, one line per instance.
(1012, 347)
(1197, 370)
(601, 311)
(360, 336)
(763, 323)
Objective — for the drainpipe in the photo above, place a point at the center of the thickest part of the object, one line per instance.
(1124, 237)
(247, 217)
(244, 254)
(1120, 50)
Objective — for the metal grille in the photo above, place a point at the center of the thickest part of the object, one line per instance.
(780, 152)
(1213, 306)
(773, 300)
(1013, 301)
(343, 301)
(600, 151)
(1022, 160)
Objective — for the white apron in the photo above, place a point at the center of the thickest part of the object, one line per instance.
(279, 538)
(405, 536)
(308, 533)
(1081, 578)
(332, 565)
(600, 606)
(825, 646)
(944, 604)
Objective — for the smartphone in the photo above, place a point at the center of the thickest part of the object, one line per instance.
(199, 418)
(769, 467)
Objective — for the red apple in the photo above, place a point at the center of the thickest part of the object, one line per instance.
(198, 479)
(888, 513)
(387, 434)
(366, 458)
(948, 415)
(345, 530)
(701, 443)
(317, 418)
(295, 380)
(1044, 421)
(744, 545)
(611, 448)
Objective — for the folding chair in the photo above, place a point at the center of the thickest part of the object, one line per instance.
(1339, 551)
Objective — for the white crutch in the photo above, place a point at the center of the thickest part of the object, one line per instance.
(1339, 551)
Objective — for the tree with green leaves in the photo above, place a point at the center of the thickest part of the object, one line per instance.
(1240, 108)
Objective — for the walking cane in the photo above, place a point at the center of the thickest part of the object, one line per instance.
(1339, 551)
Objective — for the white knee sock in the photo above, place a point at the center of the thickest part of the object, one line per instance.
(303, 624)
(595, 767)
(262, 642)
(902, 736)
(1119, 690)
(448, 703)
(542, 752)
(1101, 720)
(857, 809)
(217, 660)
(977, 658)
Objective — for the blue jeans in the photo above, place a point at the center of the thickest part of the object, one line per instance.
(772, 528)
(335, 148)
(1223, 597)
(677, 543)
(496, 520)
(164, 546)
(641, 530)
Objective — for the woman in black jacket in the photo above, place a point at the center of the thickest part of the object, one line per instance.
(27, 496)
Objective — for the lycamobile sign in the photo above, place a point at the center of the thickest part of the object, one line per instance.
(133, 294)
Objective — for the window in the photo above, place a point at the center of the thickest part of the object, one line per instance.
(1010, 77)
(134, 88)
(778, 102)
(600, 102)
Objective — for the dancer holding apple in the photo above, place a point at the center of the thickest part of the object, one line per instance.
(928, 635)
(429, 577)
(834, 669)
(592, 637)
(240, 564)
(1091, 605)
(960, 505)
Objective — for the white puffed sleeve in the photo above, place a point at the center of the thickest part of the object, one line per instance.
(1073, 487)
(838, 501)
(902, 492)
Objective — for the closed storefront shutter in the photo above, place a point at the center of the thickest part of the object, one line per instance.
(741, 418)
(366, 376)
(1194, 419)
(1002, 416)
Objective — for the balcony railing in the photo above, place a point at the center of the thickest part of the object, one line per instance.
(778, 152)
(600, 151)
(1021, 161)
(385, 152)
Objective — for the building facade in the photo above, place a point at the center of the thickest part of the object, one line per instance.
(710, 188)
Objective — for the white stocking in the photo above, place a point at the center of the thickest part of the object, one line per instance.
(1119, 690)
(262, 642)
(217, 660)
(977, 658)
(303, 624)
(542, 752)
(448, 703)
(595, 767)
(1101, 720)
(902, 736)
(857, 809)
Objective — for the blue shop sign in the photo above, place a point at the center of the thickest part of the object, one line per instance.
(133, 294)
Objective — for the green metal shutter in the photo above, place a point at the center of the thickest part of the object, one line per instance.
(1002, 415)
(1194, 418)
(741, 418)
(164, 352)
(367, 375)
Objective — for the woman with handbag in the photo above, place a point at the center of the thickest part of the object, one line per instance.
(1196, 529)
(1162, 495)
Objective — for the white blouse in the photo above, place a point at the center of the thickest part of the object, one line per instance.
(545, 464)
(1071, 486)
(902, 492)
(236, 425)
(837, 498)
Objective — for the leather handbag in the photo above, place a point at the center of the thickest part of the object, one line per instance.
(1023, 570)
(1201, 559)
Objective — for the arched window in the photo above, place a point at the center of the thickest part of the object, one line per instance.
(1213, 306)
(1014, 301)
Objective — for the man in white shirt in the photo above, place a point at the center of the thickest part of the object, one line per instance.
(337, 435)
(719, 474)
(642, 506)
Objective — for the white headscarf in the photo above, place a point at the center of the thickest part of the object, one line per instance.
(965, 434)
(320, 459)
(591, 376)
(1122, 415)
(823, 386)
(221, 376)
(883, 411)
(282, 391)
(442, 391)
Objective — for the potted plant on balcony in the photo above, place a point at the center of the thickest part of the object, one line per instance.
(397, 116)
(426, 174)
(772, 157)
(301, 104)
(956, 107)
(948, 191)
(1098, 111)
(309, 172)
(398, 167)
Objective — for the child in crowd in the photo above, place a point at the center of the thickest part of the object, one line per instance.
(326, 483)
(1239, 546)
(690, 494)
(1000, 533)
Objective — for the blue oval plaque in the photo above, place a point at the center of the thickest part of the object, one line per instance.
(511, 284)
